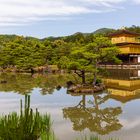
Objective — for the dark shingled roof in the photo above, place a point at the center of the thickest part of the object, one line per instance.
(119, 32)
(127, 43)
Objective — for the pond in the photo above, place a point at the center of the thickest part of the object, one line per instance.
(112, 113)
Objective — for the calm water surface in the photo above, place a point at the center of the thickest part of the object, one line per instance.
(113, 113)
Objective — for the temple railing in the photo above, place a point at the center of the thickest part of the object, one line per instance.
(122, 66)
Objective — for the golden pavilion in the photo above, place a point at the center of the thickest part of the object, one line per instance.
(129, 45)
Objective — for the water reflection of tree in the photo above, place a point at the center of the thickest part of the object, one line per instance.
(25, 83)
(96, 119)
(20, 83)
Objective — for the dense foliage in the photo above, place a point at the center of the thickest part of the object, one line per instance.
(18, 52)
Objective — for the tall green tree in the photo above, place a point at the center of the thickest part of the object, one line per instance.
(86, 58)
(101, 50)
(79, 63)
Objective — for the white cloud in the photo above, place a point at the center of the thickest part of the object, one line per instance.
(21, 12)
(104, 1)
(137, 1)
(110, 3)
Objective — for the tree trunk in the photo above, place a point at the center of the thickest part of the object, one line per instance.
(96, 102)
(95, 79)
(81, 74)
(32, 71)
(84, 101)
(83, 77)
(95, 75)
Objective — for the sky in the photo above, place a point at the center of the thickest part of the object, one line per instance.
(43, 18)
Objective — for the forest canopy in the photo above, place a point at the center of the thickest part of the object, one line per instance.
(28, 52)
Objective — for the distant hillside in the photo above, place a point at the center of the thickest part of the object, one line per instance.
(104, 31)
(31, 38)
(79, 36)
(7, 38)
(10, 38)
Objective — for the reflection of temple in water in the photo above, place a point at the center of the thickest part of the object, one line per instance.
(123, 83)
(123, 74)
(93, 114)
(122, 86)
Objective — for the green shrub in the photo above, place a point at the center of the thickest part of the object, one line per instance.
(26, 126)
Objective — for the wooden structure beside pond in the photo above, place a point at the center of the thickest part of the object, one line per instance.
(129, 46)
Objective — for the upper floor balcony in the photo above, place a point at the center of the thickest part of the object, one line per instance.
(123, 39)
(129, 49)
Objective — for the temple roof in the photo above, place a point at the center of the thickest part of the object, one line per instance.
(127, 43)
(122, 32)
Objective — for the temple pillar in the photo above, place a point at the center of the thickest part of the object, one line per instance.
(138, 59)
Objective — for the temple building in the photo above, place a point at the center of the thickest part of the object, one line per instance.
(129, 45)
